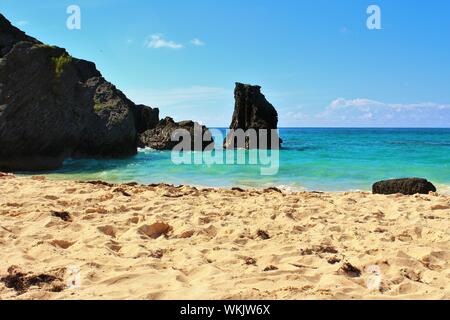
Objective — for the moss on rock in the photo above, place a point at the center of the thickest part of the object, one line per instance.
(60, 63)
(99, 107)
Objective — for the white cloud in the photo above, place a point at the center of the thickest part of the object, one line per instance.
(197, 42)
(295, 114)
(292, 115)
(367, 112)
(156, 41)
(367, 103)
(343, 103)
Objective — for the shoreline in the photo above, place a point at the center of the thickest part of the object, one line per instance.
(165, 242)
(442, 189)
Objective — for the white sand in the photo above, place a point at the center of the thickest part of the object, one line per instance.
(211, 248)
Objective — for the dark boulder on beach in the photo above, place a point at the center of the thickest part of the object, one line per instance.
(166, 135)
(408, 186)
(252, 111)
(54, 106)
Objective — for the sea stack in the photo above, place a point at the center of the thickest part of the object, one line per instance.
(407, 186)
(253, 111)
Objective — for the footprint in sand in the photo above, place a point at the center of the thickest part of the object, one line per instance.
(114, 246)
(63, 244)
(50, 197)
(440, 207)
(97, 210)
(411, 274)
(186, 234)
(204, 220)
(155, 230)
(436, 261)
(210, 232)
(14, 204)
(133, 220)
(108, 230)
(105, 197)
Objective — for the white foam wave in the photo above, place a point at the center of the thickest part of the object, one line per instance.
(291, 188)
(146, 149)
(443, 189)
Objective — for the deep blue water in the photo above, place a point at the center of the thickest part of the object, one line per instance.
(312, 159)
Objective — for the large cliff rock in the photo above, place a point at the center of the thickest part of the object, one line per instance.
(160, 137)
(54, 106)
(252, 111)
(408, 186)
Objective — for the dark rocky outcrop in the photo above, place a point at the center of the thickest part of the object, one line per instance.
(146, 118)
(10, 35)
(160, 137)
(54, 106)
(252, 111)
(408, 186)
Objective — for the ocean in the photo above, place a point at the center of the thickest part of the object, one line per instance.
(319, 159)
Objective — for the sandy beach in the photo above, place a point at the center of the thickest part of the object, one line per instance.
(74, 240)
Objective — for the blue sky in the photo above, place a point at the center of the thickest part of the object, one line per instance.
(317, 61)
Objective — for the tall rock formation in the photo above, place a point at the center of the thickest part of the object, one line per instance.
(252, 111)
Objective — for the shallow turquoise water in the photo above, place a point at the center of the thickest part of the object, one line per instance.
(311, 159)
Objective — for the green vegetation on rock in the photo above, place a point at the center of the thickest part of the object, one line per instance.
(60, 62)
(99, 107)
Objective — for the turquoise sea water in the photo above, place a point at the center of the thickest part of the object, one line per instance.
(311, 159)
